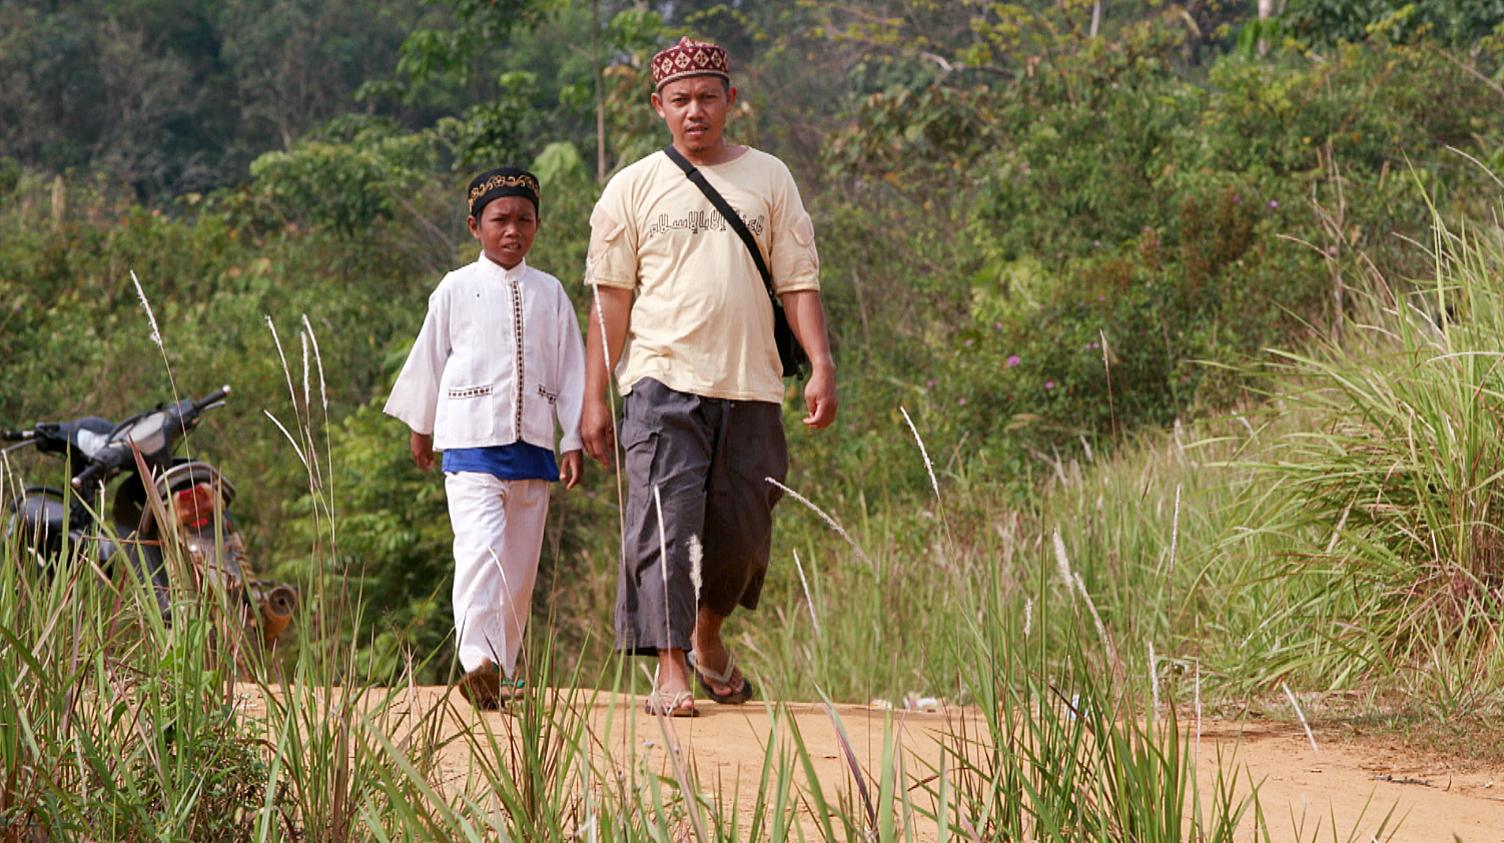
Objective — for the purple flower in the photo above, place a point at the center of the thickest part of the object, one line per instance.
(1049, 384)
(930, 384)
(969, 342)
(1013, 360)
(997, 326)
(961, 402)
(1273, 204)
(1236, 198)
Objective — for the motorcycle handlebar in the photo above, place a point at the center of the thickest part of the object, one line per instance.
(18, 435)
(212, 398)
(86, 477)
(109, 459)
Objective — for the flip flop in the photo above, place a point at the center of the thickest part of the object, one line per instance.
(512, 689)
(670, 704)
(723, 678)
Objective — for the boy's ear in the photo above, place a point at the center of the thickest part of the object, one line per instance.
(474, 226)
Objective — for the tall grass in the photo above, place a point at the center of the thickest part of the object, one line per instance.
(1344, 533)
(117, 721)
(142, 731)
(1398, 478)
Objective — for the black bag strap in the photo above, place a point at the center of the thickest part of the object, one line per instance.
(731, 217)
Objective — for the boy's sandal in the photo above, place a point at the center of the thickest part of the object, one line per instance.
(723, 678)
(670, 704)
(512, 689)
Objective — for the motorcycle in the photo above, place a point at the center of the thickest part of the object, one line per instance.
(162, 499)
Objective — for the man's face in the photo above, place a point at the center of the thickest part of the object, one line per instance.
(695, 109)
(506, 229)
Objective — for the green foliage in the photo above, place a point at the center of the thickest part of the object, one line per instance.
(493, 131)
(178, 96)
(1112, 200)
(345, 186)
(1459, 23)
(451, 53)
(10, 175)
(76, 339)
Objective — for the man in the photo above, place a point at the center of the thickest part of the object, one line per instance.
(680, 304)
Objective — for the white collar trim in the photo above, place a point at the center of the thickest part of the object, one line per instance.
(513, 274)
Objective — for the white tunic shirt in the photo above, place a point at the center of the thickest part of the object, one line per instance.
(499, 359)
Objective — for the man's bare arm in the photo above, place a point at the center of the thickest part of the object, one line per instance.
(611, 313)
(807, 319)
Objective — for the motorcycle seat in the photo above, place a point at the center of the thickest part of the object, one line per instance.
(39, 517)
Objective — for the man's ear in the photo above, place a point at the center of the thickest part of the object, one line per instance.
(657, 100)
(731, 95)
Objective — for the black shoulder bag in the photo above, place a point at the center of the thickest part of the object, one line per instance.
(790, 353)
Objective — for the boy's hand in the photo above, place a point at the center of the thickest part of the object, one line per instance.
(571, 468)
(421, 445)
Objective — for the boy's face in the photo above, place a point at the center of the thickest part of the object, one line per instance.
(695, 110)
(506, 229)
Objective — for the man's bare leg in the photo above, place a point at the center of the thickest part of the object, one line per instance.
(673, 671)
(673, 678)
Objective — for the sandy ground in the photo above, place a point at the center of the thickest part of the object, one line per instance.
(1341, 791)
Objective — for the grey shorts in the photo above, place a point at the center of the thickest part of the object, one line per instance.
(709, 460)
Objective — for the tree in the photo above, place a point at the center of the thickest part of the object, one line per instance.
(296, 63)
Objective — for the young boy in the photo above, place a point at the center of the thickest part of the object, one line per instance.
(498, 362)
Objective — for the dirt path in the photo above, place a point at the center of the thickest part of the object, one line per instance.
(1355, 789)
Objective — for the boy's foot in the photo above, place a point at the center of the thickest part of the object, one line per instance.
(482, 687)
(512, 690)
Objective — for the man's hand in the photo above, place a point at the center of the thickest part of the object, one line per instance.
(571, 468)
(421, 444)
(597, 428)
(807, 320)
(820, 398)
(605, 333)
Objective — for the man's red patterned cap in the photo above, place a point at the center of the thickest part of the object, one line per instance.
(689, 58)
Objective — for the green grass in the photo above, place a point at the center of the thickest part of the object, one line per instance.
(139, 732)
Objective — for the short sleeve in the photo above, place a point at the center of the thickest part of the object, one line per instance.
(795, 261)
(611, 260)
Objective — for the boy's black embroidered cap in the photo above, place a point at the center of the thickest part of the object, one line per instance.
(502, 181)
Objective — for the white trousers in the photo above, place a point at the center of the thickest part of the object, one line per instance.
(498, 534)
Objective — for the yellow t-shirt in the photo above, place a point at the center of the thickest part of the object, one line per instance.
(701, 318)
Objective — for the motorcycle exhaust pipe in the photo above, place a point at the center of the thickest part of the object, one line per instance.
(277, 607)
